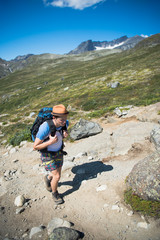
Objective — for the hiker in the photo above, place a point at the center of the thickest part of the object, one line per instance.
(52, 157)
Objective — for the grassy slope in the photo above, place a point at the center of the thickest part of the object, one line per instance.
(137, 70)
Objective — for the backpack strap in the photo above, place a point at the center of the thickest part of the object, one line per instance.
(52, 127)
(53, 131)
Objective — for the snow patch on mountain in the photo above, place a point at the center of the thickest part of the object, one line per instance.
(109, 47)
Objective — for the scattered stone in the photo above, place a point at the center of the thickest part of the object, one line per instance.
(69, 158)
(4, 141)
(106, 205)
(34, 231)
(66, 89)
(143, 225)
(13, 150)
(130, 213)
(64, 233)
(81, 154)
(122, 111)
(24, 235)
(90, 158)
(113, 84)
(84, 182)
(101, 188)
(15, 160)
(38, 88)
(115, 207)
(23, 143)
(5, 154)
(56, 223)
(32, 114)
(19, 201)
(20, 210)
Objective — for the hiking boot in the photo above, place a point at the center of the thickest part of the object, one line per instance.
(56, 197)
(47, 183)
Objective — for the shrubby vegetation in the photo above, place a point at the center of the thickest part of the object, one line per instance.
(20, 136)
(80, 83)
(146, 207)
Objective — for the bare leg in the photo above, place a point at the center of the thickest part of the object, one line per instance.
(55, 177)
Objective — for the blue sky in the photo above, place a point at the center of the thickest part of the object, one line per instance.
(58, 26)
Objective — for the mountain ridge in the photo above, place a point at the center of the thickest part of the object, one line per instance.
(123, 43)
(88, 52)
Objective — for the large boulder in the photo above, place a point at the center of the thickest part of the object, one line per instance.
(64, 233)
(155, 136)
(144, 179)
(85, 128)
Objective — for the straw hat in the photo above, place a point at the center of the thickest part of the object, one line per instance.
(59, 110)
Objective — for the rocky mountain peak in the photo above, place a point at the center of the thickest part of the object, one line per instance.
(122, 43)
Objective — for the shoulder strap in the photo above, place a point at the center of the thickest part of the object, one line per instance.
(52, 127)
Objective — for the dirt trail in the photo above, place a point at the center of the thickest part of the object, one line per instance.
(92, 190)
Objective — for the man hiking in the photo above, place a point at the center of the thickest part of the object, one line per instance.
(51, 149)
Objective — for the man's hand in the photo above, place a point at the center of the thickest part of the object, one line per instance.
(65, 134)
(53, 140)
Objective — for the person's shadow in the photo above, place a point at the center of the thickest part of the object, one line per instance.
(83, 172)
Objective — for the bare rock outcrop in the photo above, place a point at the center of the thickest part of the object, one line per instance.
(155, 136)
(144, 179)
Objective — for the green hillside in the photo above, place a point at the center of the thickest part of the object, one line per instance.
(81, 83)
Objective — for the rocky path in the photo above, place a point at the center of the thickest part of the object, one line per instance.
(92, 183)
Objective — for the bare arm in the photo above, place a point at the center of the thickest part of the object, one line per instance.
(39, 144)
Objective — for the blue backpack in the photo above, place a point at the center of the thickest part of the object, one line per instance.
(45, 114)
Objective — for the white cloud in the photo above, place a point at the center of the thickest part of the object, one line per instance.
(145, 36)
(76, 4)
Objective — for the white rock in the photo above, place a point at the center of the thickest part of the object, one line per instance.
(106, 205)
(15, 160)
(5, 154)
(130, 213)
(84, 182)
(19, 201)
(34, 230)
(81, 154)
(65, 89)
(101, 188)
(90, 158)
(23, 143)
(143, 225)
(9, 147)
(115, 207)
(19, 210)
(13, 150)
(31, 114)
